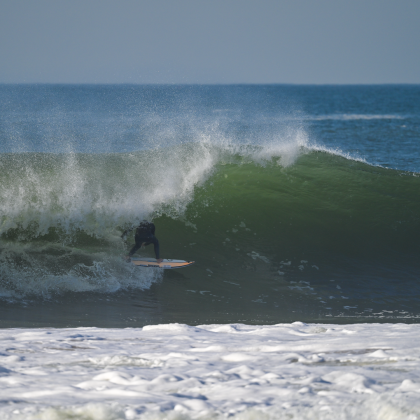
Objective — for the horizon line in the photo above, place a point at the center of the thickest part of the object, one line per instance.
(203, 84)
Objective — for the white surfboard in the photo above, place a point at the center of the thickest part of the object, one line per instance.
(167, 264)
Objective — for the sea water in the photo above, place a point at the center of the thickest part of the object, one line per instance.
(298, 203)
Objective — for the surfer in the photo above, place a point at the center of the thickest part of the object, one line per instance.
(145, 235)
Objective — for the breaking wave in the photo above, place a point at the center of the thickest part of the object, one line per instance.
(293, 214)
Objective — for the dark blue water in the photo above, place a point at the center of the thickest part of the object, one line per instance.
(296, 202)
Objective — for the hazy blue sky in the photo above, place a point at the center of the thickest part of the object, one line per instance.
(210, 41)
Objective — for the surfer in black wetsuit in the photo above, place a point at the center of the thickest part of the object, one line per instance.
(145, 235)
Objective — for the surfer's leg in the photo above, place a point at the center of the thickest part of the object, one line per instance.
(137, 246)
(153, 240)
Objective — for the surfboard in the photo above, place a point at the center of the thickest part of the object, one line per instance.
(167, 264)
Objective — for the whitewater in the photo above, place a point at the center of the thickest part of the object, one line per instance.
(176, 371)
(299, 205)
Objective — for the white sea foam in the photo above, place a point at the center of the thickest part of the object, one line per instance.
(175, 371)
(42, 275)
(349, 117)
(94, 193)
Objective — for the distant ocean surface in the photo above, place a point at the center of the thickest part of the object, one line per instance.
(298, 203)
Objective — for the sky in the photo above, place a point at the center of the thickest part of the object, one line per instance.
(210, 41)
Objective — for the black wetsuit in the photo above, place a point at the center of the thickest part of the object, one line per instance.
(145, 233)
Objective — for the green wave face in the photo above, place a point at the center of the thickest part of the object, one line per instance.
(328, 230)
(313, 229)
(320, 205)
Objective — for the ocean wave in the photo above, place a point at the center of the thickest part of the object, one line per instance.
(293, 214)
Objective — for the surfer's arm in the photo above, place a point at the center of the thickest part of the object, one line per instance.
(126, 232)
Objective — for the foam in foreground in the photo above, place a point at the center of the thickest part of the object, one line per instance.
(174, 371)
